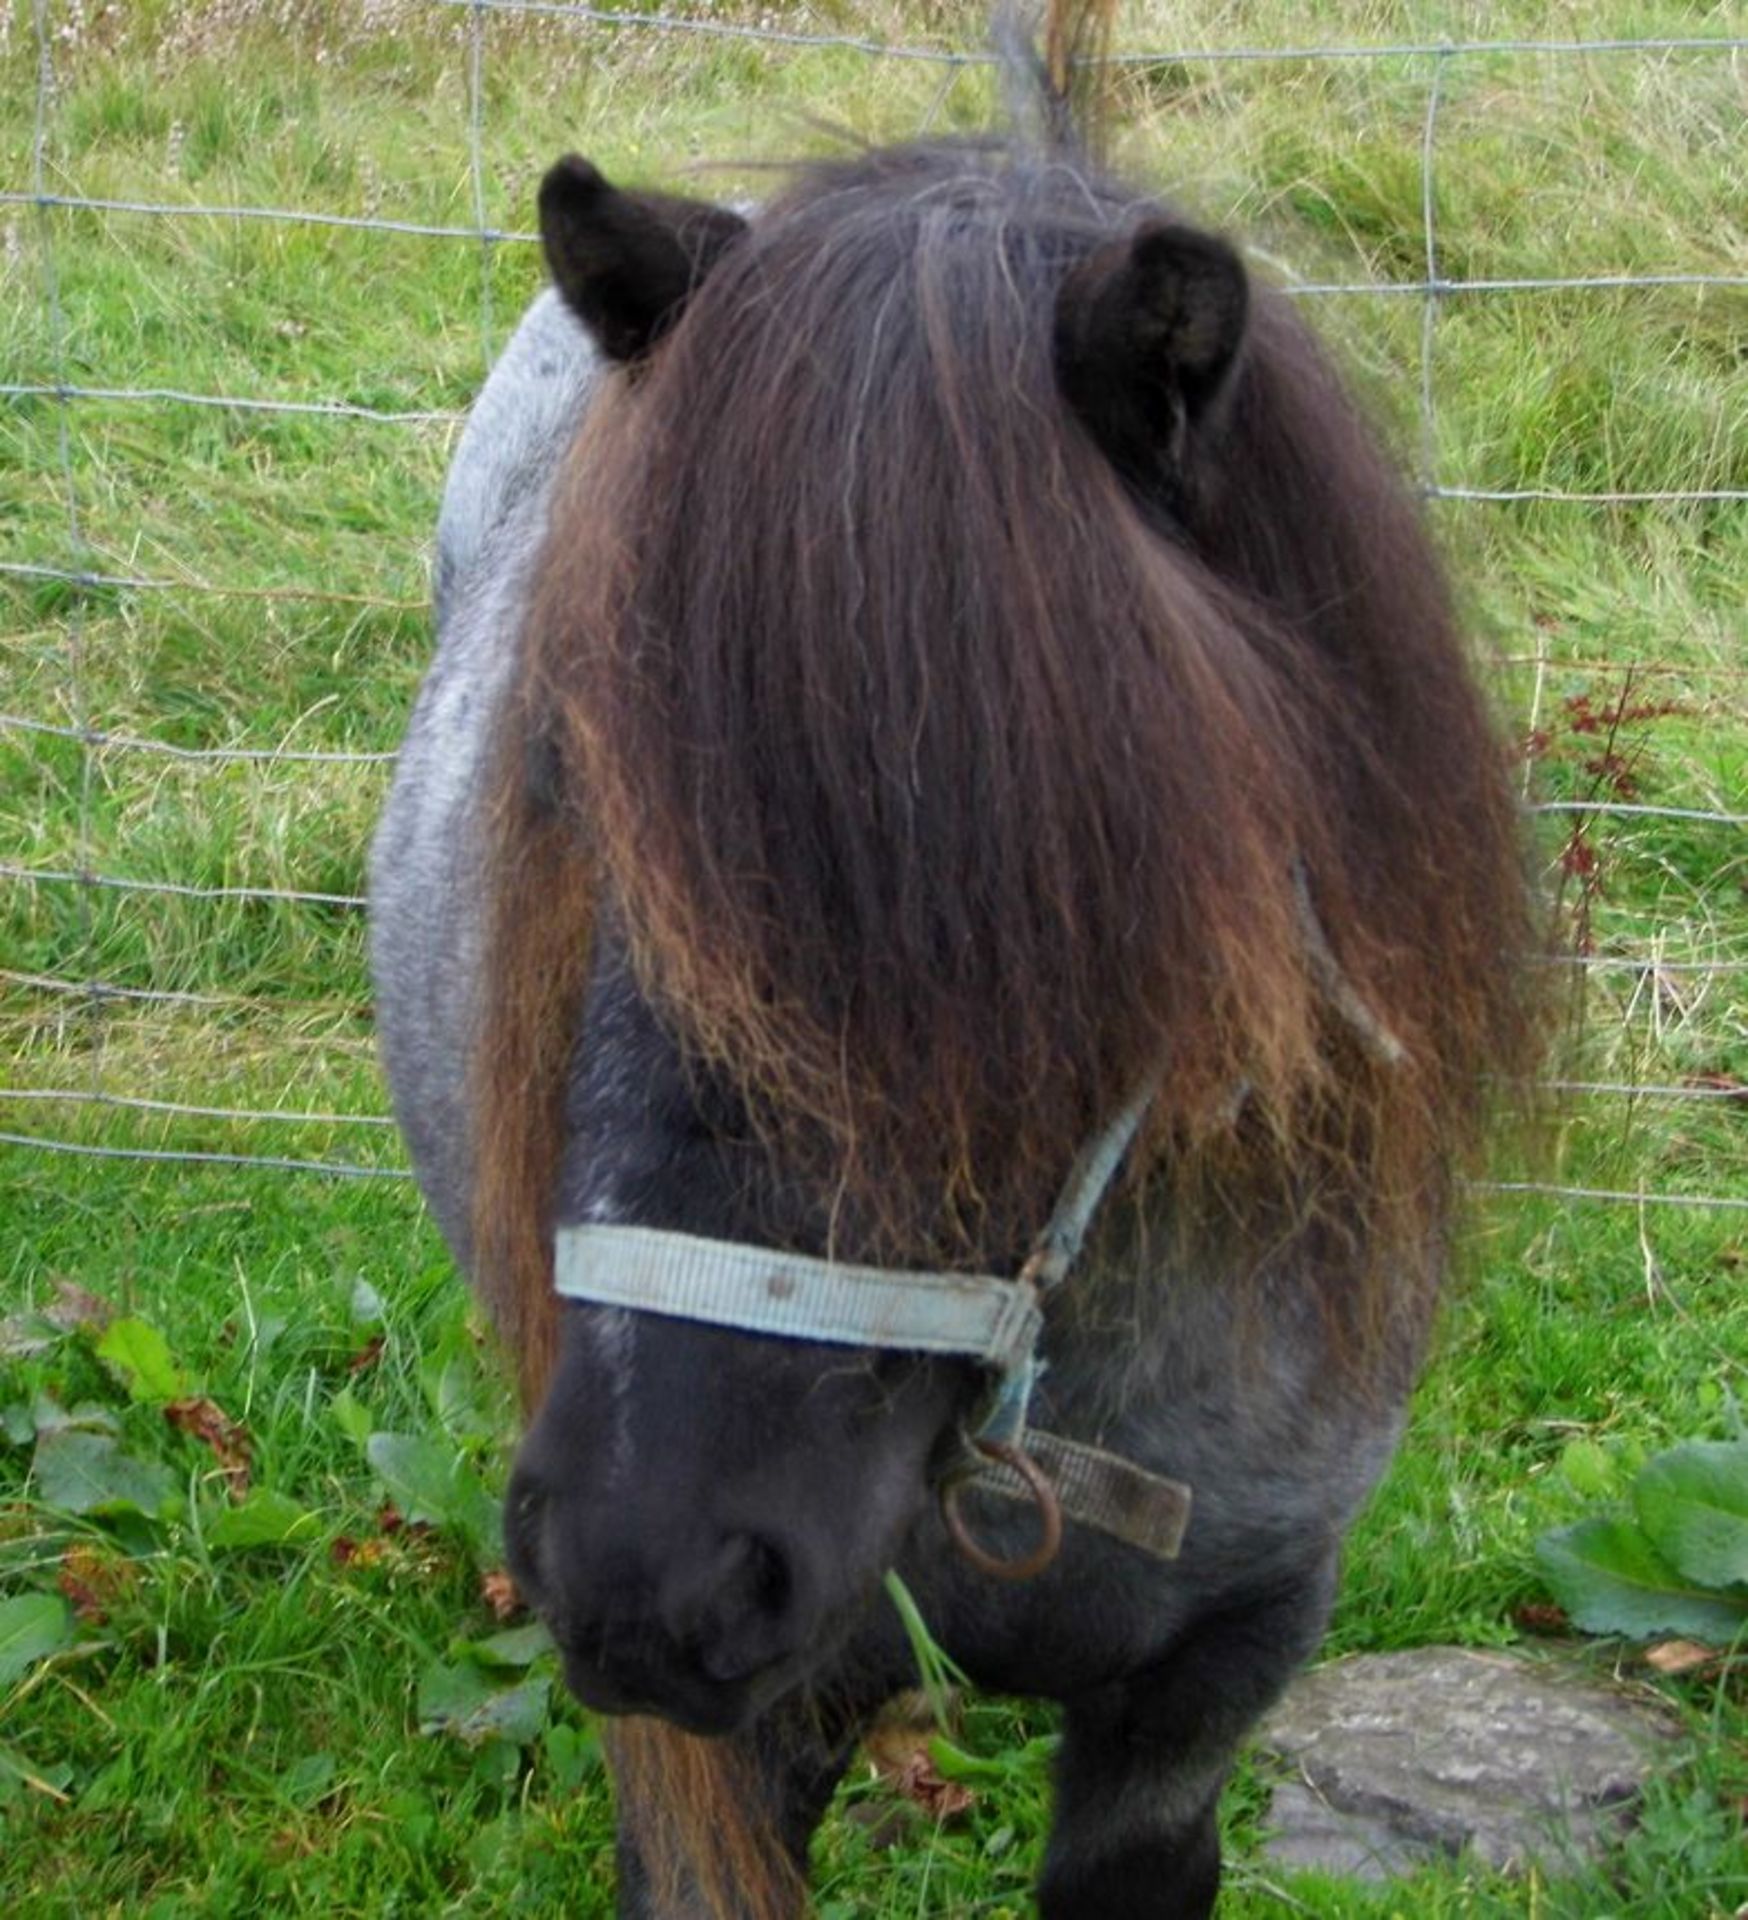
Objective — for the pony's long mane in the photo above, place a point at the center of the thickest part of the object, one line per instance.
(943, 788)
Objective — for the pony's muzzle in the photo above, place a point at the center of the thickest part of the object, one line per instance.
(696, 1626)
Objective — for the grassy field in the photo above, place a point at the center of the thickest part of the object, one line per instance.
(269, 1675)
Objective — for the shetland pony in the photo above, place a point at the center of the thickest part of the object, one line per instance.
(910, 662)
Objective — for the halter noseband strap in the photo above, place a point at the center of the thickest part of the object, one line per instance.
(727, 1283)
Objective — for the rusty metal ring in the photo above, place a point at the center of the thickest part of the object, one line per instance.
(1043, 1492)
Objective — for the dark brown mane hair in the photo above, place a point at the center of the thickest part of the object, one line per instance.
(943, 785)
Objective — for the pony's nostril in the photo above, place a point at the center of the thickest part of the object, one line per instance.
(752, 1578)
(737, 1609)
(767, 1577)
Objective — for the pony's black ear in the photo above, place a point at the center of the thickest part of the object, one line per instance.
(1148, 331)
(626, 262)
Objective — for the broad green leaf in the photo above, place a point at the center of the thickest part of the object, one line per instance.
(478, 1517)
(367, 1307)
(351, 1416)
(496, 1763)
(136, 1534)
(1693, 1504)
(1610, 1579)
(466, 1701)
(1588, 1469)
(305, 1781)
(515, 1647)
(414, 1814)
(417, 1472)
(140, 1354)
(263, 1519)
(572, 1753)
(449, 1691)
(954, 1763)
(16, 1423)
(47, 1414)
(453, 1387)
(88, 1473)
(431, 1481)
(32, 1626)
(267, 1331)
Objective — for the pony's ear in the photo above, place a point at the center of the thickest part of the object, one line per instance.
(1148, 332)
(625, 263)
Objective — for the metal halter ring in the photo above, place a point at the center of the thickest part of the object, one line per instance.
(1043, 1492)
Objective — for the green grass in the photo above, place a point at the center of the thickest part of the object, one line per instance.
(237, 1729)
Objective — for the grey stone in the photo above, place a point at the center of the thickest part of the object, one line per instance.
(1397, 1758)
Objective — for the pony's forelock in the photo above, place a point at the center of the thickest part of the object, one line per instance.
(942, 791)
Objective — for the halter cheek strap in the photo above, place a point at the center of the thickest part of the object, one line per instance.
(992, 1320)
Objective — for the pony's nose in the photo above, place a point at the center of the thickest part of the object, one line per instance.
(714, 1604)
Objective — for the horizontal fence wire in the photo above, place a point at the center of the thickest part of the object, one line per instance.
(1613, 1196)
(133, 1103)
(1646, 963)
(1591, 664)
(268, 756)
(177, 889)
(292, 216)
(87, 577)
(236, 403)
(517, 236)
(86, 569)
(188, 1157)
(1613, 497)
(169, 996)
(1636, 810)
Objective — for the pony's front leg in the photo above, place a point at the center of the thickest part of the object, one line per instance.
(719, 1829)
(1143, 1760)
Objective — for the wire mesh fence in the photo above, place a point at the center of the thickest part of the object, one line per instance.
(184, 868)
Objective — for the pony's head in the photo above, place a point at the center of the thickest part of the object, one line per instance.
(977, 654)
(682, 1505)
